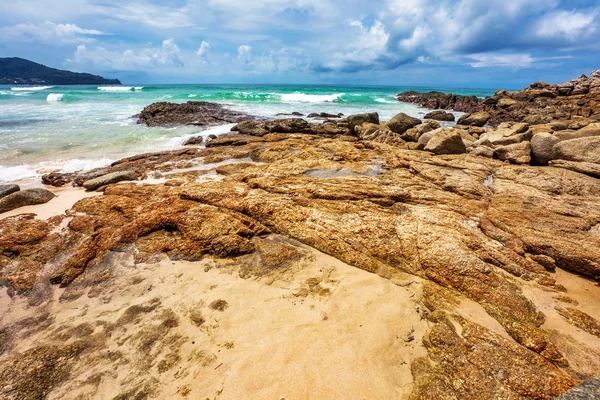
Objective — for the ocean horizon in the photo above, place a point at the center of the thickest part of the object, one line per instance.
(73, 128)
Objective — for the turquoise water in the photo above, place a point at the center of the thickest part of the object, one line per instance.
(70, 128)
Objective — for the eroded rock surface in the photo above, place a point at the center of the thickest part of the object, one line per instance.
(476, 229)
(191, 113)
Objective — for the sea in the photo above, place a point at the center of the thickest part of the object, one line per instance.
(74, 128)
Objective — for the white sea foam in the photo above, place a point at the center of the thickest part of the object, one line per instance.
(31, 88)
(19, 172)
(54, 97)
(120, 88)
(385, 100)
(310, 98)
(192, 95)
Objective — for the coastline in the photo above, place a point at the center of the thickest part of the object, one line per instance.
(313, 248)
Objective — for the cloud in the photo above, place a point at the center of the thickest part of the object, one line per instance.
(48, 32)
(152, 15)
(245, 54)
(501, 60)
(570, 25)
(203, 51)
(166, 56)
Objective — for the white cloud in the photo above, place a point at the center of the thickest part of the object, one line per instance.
(245, 54)
(166, 56)
(203, 51)
(501, 60)
(48, 32)
(569, 24)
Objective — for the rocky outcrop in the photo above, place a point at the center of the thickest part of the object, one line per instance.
(586, 149)
(518, 153)
(28, 197)
(540, 103)
(291, 125)
(444, 101)
(191, 113)
(108, 179)
(476, 119)
(5, 190)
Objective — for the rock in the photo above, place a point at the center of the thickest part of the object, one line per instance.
(475, 119)
(587, 168)
(507, 102)
(446, 141)
(28, 197)
(251, 128)
(108, 179)
(565, 89)
(440, 115)
(400, 123)
(194, 141)
(359, 119)
(293, 114)
(586, 149)
(483, 151)
(518, 153)
(541, 147)
(191, 113)
(5, 190)
(426, 137)
(438, 100)
(587, 390)
(587, 131)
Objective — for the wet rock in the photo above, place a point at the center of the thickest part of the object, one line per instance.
(586, 149)
(441, 115)
(191, 113)
(444, 101)
(518, 153)
(400, 123)
(359, 119)
(194, 141)
(108, 179)
(5, 190)
(293, 114)
(541, 147)
(28, 197)
(475, 119)
(446, 141)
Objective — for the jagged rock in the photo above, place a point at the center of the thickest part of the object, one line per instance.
(441, 115)
(506, 103)
(446, 141)
(585, 149)
(28, 197)
(108, 179)
(400, 123)
(541, 147)
(438, 100)
(359, 119)
(5, 190)
(518, 153)
(191, 113)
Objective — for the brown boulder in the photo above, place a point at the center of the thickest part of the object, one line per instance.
(518, 153)
(446, 141)
(28, 197)
(475, 119)
(440, 115)
(400, 123)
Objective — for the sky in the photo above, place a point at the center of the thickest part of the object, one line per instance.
(450, 43)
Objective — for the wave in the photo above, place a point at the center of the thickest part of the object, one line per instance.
(310, 98)
(120, 88)
(30, 88)
(54, 97)
(19, 172)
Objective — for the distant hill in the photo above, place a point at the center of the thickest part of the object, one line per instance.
(18, 71)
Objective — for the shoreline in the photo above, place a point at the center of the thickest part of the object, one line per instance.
(390, 259)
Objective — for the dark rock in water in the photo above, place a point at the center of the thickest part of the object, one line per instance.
(325, 115)
(212, 136)
(107, 179)
(440, 116)
(194, 140)
(24, 198)
(359, 119)
(57, 179)
(438, 100)
(586, 391)
(191, 113)
(402, 122)
(5, 190)
(295, 114)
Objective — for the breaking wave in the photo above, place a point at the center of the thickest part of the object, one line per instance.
(120, 88)
(30, 88)
(54, 97)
